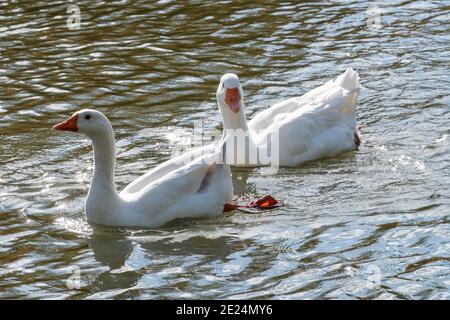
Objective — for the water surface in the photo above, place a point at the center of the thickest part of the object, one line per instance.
(370, 223)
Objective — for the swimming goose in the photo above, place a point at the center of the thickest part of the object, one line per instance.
(200, 188)
(320, 123)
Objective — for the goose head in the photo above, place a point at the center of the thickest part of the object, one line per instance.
(91, 123)
(230, 94)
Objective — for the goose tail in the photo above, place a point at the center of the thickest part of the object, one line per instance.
(349, 80)
(221, 149)
(217, 167)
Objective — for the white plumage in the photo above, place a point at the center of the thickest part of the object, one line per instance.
(174, 189)
(320, 123)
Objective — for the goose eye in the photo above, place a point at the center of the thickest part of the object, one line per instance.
(87, 117)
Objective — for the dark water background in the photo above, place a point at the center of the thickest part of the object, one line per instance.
(369, 223)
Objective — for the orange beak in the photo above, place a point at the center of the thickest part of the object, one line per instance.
(68, 125)
(232, 99)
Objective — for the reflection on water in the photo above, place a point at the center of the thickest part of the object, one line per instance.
(371, 223)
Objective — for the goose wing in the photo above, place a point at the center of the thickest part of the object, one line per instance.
(322, 97)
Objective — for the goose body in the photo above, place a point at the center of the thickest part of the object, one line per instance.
(318, 124)
(174, 189)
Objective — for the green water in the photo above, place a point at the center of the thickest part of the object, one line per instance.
(370, 223)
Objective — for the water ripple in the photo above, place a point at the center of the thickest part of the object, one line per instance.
(371, 223)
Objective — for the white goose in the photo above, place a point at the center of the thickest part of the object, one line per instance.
(320, 123)
(200, 188)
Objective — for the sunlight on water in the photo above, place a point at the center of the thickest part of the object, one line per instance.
(371, 223)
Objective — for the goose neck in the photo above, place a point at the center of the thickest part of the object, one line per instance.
(104, 164)
(235, 121)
